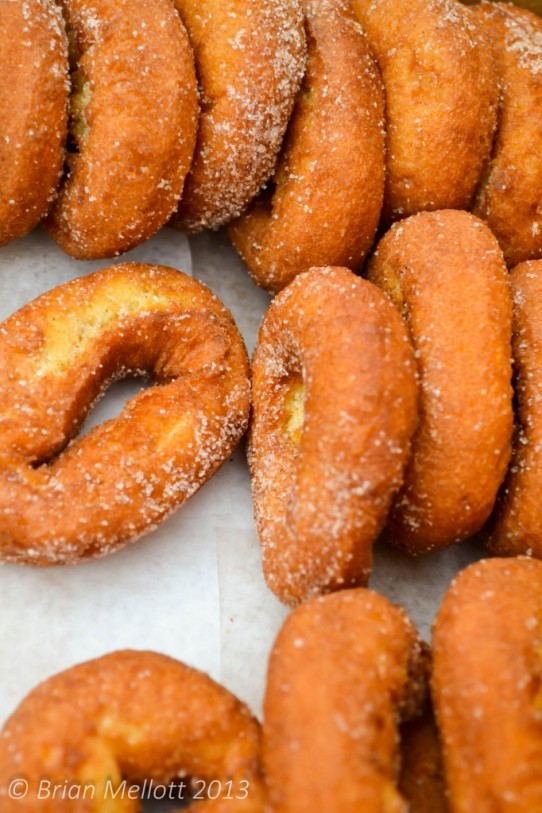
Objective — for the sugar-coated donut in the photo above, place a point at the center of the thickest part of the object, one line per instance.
(343, 671)
(325, 201)
(442, 92)
(133, 121)
(446, 273)
(487, 673)
(33, 112)
(62, 505)
(510, 198)
(334, 408)
(516, 526)
(250, 58)
(100, 729)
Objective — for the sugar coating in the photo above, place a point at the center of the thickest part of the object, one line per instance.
(33, 112)
(250, 59)
(321, 494)
(133, 116)
(126, 716)
(65, 500)
(445, 273)
(510, 196)
(442, 95)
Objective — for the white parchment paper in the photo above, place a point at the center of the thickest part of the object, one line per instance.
(192, 589)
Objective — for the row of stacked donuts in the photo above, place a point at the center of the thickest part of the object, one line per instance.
(378, 405)
(345, 672)
(459, 128)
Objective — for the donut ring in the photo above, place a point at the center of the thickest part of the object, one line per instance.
(510, 198)
(516, 526)
(486, 686)
(133, 118)
(445, 272)
(250, 58)
(132, 716)
(33, 112)
(330, 433)
(442, 94)
(328, 186)
(57, 355)
(342, 672)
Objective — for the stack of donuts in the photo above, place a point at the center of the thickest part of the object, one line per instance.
(304, 124)
(379, 167)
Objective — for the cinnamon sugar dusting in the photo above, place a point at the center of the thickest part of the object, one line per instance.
(64, 500)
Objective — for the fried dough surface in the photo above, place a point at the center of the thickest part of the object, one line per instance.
(250, 59)
(343, 671)
(134, 114)
(33, 112)
(62, 502)
(442, 92)
(334, 408)
(510, 197)
(324, 203)
(445, 272)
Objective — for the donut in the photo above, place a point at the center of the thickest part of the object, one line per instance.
(333, 409)
(99, 729)
(516, 525)
(250, 58)
(510, 197)
(324, 203)
(486, 686)
(133, 125)
(445, 272)
(421, 781)
(344, 670)
(62, 504)
(33, 112)
(442, 92)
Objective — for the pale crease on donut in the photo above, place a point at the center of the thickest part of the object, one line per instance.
(510, 197)
(442, 91)
(487, 678)
(33, 112)
(62, 502)
(344, 670)
(334, 408)
(516, 526)
(445, 272)
(250, 58)
(324, 203)
(99, 730)
(133, 123)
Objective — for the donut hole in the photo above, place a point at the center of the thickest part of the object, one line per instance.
(294, 409)
(79, 99)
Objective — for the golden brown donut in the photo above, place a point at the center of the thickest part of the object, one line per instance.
(516, 526)
(510, 198)
(442, 93)
(101, 728)
(486, 687)
(61, 503)
(133, 123)
(445, 272)
(334, 408)
(324, 204)
(33, 112)
(250, 57)
(343, 671)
